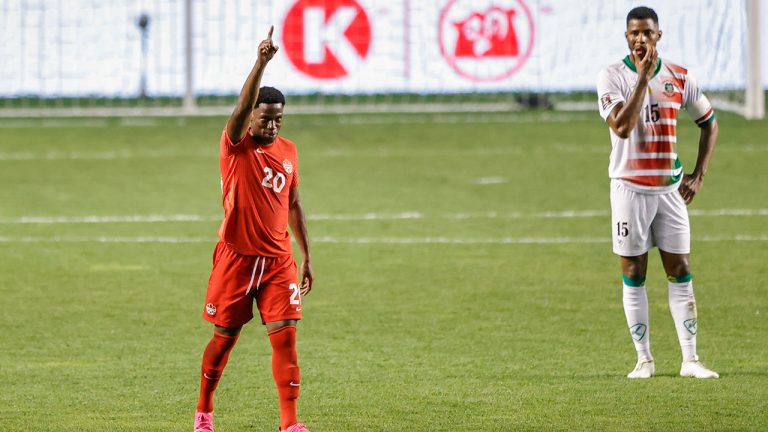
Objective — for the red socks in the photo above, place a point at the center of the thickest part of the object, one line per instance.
(285, 369)
(214, 360)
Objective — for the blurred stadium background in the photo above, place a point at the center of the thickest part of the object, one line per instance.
(90, 57)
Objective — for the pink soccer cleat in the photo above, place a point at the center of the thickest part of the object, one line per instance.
(296, 427)
(203, 422)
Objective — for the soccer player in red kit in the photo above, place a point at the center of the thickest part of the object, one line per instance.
(253, 258)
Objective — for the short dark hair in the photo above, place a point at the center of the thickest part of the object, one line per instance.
(270, 95)
(642, 13)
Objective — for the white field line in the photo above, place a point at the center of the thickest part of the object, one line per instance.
(84, 122)
(330, 153)
(106, 239)
(367, 216)
(416, 153)
(48, 220)
(52, 123)
(459, 240)
(26, 156)
(369, 240)
(101, 155)
(373, 216)
(511, 240)
(490, 180)
(416, 114)
(473, 118)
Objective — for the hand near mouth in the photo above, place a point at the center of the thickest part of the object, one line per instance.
(647, 63)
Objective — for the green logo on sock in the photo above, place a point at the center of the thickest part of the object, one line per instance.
(690, 325)
(638, 331)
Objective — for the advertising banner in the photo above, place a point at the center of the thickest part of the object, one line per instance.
(90, 47)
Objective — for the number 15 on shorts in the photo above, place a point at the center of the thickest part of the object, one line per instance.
(622, 229)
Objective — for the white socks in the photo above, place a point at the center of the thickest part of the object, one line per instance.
(682, 304)
(636, 311)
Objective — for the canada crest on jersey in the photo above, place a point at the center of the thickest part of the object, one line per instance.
(288, 166)
(210, 309)
(669, 89)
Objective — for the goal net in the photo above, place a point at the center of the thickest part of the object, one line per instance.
(173, 57)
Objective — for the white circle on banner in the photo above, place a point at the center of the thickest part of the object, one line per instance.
(326, 39)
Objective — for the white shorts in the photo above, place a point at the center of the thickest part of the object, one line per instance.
(641, 221)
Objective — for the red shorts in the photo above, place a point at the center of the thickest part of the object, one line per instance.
(237, 280)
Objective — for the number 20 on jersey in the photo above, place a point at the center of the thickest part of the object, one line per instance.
(273, 181)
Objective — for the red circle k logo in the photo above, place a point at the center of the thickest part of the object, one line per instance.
(486, 40)
(326, 38)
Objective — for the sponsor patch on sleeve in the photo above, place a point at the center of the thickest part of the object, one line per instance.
(605, 100)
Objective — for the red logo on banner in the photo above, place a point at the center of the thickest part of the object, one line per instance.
(326, 38)
(489, 34)
(486, 40)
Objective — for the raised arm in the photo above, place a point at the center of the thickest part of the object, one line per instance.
(625, 116)
(692, 183)
(238, 121)
(299, 227)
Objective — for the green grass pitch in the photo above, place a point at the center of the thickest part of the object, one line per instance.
(465, 280)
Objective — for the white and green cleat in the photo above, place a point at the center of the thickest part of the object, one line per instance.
(694, 369)
(644, 369)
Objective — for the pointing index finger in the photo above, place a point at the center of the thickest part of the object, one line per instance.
(271, 29)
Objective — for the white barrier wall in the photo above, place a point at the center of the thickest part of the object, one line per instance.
(93, 47)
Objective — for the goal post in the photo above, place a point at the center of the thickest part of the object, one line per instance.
(755, 95)
(189, 103)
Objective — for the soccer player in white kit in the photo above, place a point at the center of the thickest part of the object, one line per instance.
(639, 98)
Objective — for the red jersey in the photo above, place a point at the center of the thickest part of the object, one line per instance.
(255, 184)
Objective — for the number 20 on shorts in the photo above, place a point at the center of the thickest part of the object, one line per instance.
(295, 296)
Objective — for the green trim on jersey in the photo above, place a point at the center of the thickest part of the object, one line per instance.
(678, 166)
(632, 67)
(706, 122)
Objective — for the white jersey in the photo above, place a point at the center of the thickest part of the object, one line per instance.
(647, 161)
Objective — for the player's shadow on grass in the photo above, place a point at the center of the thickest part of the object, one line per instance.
(743, 374)
(617, 375)
(676, 375)
(665, 375)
